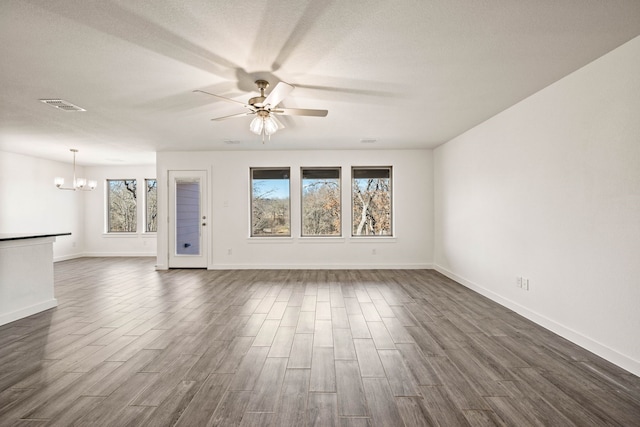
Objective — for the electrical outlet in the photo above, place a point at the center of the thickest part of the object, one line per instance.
(373, 252)
(229, 251)
(519, 281)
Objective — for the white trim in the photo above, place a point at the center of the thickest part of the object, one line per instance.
(270, 239)
(118, 254)
(321, 239)
(68, 257)
(373, 239)
(321, 267)
(28, 311)
(613, 356)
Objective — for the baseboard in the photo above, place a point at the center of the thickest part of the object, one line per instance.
(320, 267)
(102, 254)
(27, 311)
(67, 257)
(575, 337)
(119, 254)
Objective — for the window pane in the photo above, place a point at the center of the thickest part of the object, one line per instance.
(187, 217)
(321, 202)
(270, 206)
(371, 199)
(151, 204)
(121, 205)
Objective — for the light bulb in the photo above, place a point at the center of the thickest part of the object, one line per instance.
(270, 126)
(81, 182)
(256, 125)
(93, 184)
(58, 181)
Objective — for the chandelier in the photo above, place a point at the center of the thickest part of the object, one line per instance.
(78, 183)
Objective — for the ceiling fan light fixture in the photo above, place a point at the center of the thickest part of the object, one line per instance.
(256, 126)
(265, 108)
(270, 126)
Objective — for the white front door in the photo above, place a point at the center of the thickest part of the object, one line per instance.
(188, 222)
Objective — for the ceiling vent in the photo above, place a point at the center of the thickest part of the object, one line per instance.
(62, 105)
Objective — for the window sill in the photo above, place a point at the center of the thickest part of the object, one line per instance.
(269, 239)
(121, 235)
(370, 239)
(321, 239)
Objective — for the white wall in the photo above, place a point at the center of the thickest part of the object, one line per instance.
(550, 190)
(30, 202)
(229, 210)
(99, 243)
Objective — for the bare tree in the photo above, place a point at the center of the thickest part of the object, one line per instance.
(270, 215)
(122, 205)
(152, 205)
(321, 208)
(372, 206)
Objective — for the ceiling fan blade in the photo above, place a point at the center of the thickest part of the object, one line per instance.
(300, 112)
(280, 92)
(222, 97)
(232, 116)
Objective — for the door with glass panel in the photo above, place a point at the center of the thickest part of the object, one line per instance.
(188, 222)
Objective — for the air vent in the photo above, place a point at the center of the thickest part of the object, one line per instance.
(368, 141)
(62, 105)
(231, 142)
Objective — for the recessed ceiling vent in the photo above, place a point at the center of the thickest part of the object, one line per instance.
(62, 105)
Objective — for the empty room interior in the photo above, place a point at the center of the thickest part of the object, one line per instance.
(306, 213)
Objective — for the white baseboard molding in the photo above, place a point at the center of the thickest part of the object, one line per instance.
(575, 337)
(320, 267)
(67, 257)
(27, 311)
(102, 254)
(119, 254)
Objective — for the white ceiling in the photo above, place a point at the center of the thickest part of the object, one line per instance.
(408, 73)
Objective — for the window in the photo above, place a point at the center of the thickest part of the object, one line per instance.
(121, 202)
(151, 206)
(371, 200)
(270, 202)
(321, 202)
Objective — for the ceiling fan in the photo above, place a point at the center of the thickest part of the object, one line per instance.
(265, 109)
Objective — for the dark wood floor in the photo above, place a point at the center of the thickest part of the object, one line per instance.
(131, 346)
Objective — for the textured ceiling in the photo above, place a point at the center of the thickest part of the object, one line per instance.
(409, 73)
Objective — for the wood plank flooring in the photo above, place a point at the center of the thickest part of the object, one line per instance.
(129, 346)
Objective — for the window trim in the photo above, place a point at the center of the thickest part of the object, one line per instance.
(321, 236)
(392, 235)
(265, 236)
